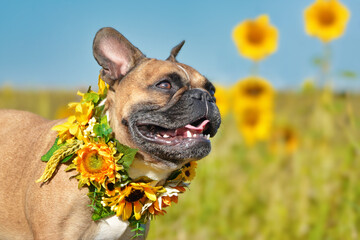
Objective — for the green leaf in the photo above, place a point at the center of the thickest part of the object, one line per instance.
(124, 183)
(103, 96)
(99, 110)
(102, 130)
(66, 159)
(144, 179)
(55, 146)
(174, 174)
(104, 120)
(128, 157)
(317, 61)
(349, 74)
(99, 210)
(91, 97)
(138, 227)
(100, 215)
(51, 151)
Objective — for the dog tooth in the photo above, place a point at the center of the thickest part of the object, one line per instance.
(188, 134)
(166, 136)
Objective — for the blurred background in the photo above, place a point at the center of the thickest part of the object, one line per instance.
(285, 163)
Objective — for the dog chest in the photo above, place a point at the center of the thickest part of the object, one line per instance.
(111, 228)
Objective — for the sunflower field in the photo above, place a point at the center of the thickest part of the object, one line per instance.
(284, 164)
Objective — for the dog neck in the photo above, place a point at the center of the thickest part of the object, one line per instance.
(140, 168)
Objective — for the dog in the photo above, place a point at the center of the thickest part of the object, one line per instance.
(147, 101)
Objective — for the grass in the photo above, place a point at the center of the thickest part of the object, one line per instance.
(243, 192)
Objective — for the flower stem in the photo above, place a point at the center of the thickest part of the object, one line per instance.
(254, 71)
(325, 78)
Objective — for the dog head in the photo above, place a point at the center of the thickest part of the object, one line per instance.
(165, 109)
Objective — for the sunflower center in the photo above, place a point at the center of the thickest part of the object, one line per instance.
(251, 118)
(255, 34)
(110, 186)
(135, 195)
(187, 165)
(187, 173)
(288, 136)
(254, 91)
(94, 163)
(326, 17)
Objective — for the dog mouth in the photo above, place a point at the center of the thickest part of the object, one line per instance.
(197, 131)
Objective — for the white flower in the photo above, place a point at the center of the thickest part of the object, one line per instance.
(89, 131)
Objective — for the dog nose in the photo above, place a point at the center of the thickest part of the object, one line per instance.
(201, 95)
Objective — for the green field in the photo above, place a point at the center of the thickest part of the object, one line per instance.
(245, 192)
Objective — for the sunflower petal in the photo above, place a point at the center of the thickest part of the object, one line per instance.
(73, 129)
(127, 211)
(150, 194)
(120, 208)
(151, 209)
(137, 210)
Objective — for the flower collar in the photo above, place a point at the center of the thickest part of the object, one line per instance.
(86, 144)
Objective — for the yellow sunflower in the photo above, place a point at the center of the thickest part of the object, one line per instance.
(252, 91)
(284, 139)
(222, 100)
(254, 124)
(130, 200)
(110, 188)
(326, 19)
(95, 163)
(188, 171)
(255, 39)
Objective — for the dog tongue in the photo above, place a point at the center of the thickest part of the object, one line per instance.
(199, 128)
(193, 129)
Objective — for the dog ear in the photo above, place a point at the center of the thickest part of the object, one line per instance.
(115, 54)
(175, 51)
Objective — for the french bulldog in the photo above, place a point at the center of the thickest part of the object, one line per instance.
(165, 109)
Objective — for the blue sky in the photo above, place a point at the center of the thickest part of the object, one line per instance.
(48, 44)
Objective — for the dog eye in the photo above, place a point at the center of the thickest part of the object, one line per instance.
(164, 85)
(212, 91)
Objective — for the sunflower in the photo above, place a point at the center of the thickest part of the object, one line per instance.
(110, 188)
(254, 124)
(255, 39)
(188, 171)
(326, 19)
(254, 91)
(130, 200)
(284, 138)
(222, 100)
(96, 164)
